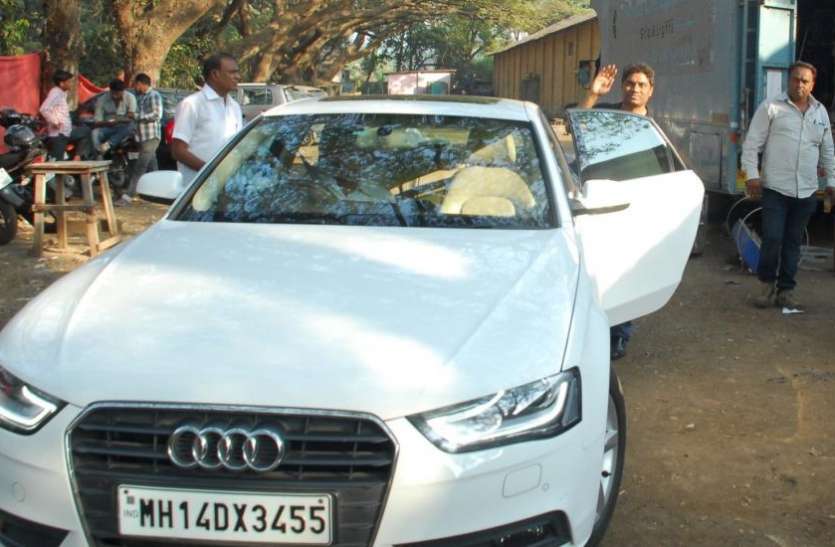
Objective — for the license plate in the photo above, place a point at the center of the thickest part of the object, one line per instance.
(225, 516)
(133, 155)
(5, 178)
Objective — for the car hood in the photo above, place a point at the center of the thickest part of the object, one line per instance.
(389, 321)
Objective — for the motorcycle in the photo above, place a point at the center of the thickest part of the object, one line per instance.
(122, 157)
(24, 147)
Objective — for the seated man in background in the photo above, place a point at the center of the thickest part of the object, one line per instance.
(115, 112)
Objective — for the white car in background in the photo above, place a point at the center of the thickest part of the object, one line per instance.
(366, 322)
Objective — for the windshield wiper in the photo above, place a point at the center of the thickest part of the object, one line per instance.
(308, 217)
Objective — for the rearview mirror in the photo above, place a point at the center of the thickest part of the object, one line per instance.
(600, 197)
(161, 186)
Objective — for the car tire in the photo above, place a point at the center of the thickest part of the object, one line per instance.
(8, 222)
(614, 450)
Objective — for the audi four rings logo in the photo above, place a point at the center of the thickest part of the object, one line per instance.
(235, 449)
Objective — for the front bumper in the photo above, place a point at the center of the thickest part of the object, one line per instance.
(434, 497)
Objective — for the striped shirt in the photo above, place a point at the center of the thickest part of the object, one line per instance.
(149, 115)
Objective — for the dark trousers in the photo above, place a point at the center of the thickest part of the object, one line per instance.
(147, 161)
(80, 137)
(624, 330)
(784, 220)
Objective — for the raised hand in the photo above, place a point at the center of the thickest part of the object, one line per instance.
(605, 79)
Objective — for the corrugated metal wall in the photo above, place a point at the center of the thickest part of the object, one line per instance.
(555, 60)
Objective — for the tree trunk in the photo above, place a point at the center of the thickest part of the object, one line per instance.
(264, 67)
(148, 29)
(63, 42)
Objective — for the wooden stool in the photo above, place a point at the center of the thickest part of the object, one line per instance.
(86, 170)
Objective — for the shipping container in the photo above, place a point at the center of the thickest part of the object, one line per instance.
(715, 62)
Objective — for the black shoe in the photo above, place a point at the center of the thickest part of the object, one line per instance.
(618, 348)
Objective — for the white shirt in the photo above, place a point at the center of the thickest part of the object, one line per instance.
(206, 122)
(793, 144)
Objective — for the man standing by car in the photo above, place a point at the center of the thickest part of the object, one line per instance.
(56, 111)
(638, 84)
(115, 112)
(794, 135)
(206, 120)
(148, 131)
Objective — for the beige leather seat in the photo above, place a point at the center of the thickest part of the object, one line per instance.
(497, 152)
(487, 191)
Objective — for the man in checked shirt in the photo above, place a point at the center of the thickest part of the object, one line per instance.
(148, 122)
(793, 133)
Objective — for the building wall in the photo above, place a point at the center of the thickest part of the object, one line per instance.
(555, 59)
(417, 83)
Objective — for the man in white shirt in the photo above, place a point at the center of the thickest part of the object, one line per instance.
(795, 137)
(206, 120)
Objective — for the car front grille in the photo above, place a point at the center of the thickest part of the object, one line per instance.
(350, 457)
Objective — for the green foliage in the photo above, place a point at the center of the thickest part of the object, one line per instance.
(103, 55)
(463, 41)
(447, 33)
(544, 13)
(20, 26)
(182, 66)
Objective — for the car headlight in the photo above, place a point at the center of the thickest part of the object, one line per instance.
(24, 409)
(537, 410)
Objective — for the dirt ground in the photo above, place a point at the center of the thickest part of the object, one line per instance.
(731, 409)
(731, 413)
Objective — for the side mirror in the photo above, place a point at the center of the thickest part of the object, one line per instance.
(600, 197)
(161, 186)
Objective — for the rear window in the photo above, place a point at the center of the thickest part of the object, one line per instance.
(294, 93)
(375, 169)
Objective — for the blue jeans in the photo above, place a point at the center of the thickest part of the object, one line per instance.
(784, 219)
(114, 135)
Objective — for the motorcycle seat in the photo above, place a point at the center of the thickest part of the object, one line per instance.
(10, 159)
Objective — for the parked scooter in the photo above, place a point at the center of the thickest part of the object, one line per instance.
(25, 147)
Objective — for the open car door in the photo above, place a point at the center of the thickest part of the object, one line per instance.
(636, 213)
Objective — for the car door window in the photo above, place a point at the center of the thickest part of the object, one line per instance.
(619, 146)
(568, 175)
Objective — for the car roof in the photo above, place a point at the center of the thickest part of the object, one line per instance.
(448, 105)
(262, 84)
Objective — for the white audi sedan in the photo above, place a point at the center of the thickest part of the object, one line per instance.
(367, 322)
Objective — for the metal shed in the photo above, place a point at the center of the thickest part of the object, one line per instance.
(551, 67)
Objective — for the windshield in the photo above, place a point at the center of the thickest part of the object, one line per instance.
(377, 169)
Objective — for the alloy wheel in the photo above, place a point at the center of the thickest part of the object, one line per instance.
(611, 455)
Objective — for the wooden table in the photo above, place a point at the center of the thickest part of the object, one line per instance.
(86, 171)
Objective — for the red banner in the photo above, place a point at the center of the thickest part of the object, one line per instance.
(20, 82)
(87, 89)
(20, 85)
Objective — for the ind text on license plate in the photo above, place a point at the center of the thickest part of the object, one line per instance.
(225, 516)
